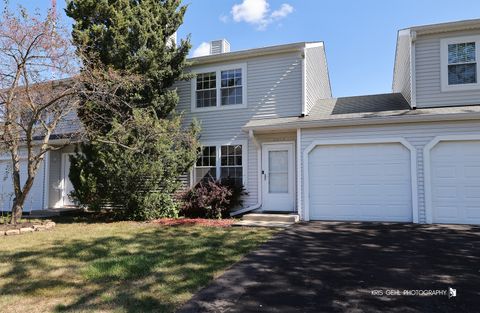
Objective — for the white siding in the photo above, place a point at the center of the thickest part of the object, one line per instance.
(36, 196)
(416, 134)
(274, 89)
(401, 74)
(428, 77)
(317, 82)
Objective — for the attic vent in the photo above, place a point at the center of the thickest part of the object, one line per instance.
(219, 46)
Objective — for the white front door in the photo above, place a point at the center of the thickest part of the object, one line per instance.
(278, 179)
(67, 186)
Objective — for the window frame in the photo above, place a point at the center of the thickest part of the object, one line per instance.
(218, 156)
(218, 70)
(445, 87)
(207, 89)
(204, 166)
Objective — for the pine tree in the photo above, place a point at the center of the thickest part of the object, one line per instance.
(137, 148)
(133, 37)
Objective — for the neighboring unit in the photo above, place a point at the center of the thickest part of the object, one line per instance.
(269, 122)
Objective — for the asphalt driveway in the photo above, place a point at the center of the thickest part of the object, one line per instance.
(353, 267)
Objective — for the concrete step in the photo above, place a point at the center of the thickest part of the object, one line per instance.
(264, 217)
(49, 212)
(41, 214)
(271, 224)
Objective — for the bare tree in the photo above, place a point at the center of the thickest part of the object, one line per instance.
(37, 93)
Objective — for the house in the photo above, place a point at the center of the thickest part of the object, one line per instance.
(269, 121)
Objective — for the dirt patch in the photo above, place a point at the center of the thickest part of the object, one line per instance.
(194, 221)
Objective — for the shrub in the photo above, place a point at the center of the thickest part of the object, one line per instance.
(135, 169)
(212, 199)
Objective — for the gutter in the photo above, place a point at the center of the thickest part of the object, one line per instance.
(324, 123)
(278, 49)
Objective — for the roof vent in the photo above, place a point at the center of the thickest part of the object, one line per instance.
(219, 46)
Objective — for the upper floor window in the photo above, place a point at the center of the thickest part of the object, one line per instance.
(232, 87)
(459, 63)
(462, 67)
(206, 90)
(219, 88)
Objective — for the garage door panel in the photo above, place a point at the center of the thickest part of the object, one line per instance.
(375, 185)
(472, 212)
(472, 171)
(455, 182)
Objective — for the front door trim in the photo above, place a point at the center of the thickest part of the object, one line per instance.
(64, 176)
(291, 180)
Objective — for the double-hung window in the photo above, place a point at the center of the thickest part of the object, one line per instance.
(219, 88)
(206, 92)
(221, 162)
(460, 63)
(231, 87)
(206, 167)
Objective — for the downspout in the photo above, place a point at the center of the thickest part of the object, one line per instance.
(413, 76)
(304, 83)
(299, 172)
(257, 205)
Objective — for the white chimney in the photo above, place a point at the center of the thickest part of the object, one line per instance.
(219, 46)
(172, 40)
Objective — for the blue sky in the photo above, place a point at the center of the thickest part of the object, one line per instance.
(359, 35)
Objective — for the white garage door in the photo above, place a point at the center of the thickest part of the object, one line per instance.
(361, 182)
(455, 182)
(35, 198)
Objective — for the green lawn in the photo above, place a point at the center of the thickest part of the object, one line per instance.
(116, 267)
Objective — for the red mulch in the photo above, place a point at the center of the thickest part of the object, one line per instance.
(194, 222)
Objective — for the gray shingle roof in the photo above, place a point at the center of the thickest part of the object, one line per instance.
(359, 104)
(372, 103)
(382, 108)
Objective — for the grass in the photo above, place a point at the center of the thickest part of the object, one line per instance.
(116, 267)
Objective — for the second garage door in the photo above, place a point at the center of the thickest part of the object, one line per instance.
(360, 182)
(455, 182)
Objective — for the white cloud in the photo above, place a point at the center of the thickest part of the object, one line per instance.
(284, 10)
(257, 12)
(202, 50)
(250, 11)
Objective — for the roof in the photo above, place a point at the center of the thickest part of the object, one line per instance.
(228, 56)
(448, 26)
(361, 104)
(364, 110)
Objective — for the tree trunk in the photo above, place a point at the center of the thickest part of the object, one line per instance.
(17, 207)
(17, 211)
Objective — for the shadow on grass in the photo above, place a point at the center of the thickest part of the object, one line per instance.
(79, 216)
(152, 269)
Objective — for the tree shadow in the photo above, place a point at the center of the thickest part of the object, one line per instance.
(150, 271)
(335, 267)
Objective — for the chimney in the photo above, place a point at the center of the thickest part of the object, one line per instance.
(219, 46)
(172, 40)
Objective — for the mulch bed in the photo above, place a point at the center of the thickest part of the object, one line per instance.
(194, 221)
